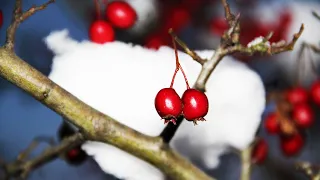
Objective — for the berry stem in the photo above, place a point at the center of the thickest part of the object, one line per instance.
(97, 6)
(178, 65)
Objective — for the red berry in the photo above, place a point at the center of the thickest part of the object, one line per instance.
(297, 95)
(75, 156)
(73, 153)
(315, 92)
(155, 42)
(303, 115)
(168, 105)
(101, 32)
(1, 18)
(291, 145)
(121, 14)
(271, 123)
(260, 151)
(178, 19)
(196, 105)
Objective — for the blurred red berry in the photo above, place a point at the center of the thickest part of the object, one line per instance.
(179, 17)
(155, 41)
(291, 145)
(297, 95)
(303, 115)
(218, 25)
(315, 92)
(271, 123)
(120, 14)
(259, 152)
(101, 32)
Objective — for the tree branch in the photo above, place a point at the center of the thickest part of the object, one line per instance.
(316, 15)
(309, 170)
(21, 167)
(19, 17)
(93, 124)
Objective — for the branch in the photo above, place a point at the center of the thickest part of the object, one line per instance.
(309, 170)
(21, 167)
(19, 17)
(316, 15)
(93, 124)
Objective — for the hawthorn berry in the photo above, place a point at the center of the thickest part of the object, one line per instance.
(101, 32)
(297, 95)
(177, 19)
(259, 152)
(271, 123)
(315, 92)
(195, 105)
(120, 14)
(75, 156)
(155, 41)
(291, 145)
(168, 105)
(303, 115)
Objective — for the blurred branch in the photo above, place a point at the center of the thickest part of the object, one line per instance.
(316, 15)
(22, 166)
(93, 124)
(313, 47)
(312, 171)
(245, 156)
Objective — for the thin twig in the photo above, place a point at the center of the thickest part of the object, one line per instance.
(191, 53)
(311, 171)
(22, 167)
(18, 17)
(33, 145)
(316, 15)
(246, 163)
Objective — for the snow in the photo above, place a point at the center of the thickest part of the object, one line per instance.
(121, 80)
(258, 40)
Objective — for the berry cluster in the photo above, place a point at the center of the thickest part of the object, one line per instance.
(293, 115)
(193, 105)
(173, 14)
(119, 14)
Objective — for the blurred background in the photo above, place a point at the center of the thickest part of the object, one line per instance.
(200, 23)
